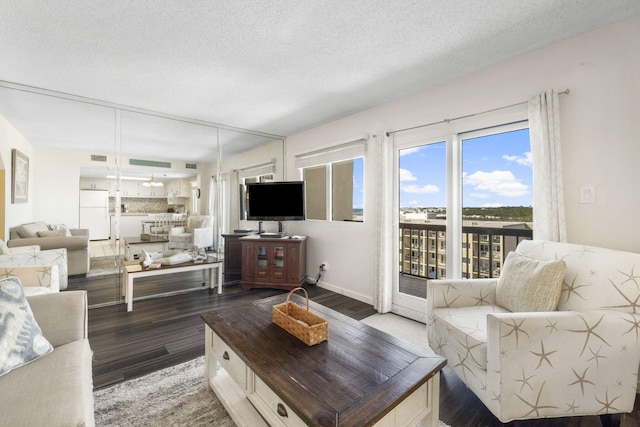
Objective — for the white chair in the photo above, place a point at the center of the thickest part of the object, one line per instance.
(197, 233)
(523, 357)
(35, 257)
(35, 279)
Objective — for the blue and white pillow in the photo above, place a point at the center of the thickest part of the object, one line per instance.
(21, 339)
(4, 249)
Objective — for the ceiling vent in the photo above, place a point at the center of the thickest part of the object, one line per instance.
(151, 163)
(191, 166)
(98, 158)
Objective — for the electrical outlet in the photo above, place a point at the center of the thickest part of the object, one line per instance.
(326, 266)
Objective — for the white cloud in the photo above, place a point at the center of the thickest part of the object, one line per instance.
(524, 160)
(407, 175)
(479, 195)
(414, 203)
(501, 183)
(492, 205)
(408, 151)
(420, 189)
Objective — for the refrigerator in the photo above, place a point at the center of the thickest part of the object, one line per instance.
(94, 213)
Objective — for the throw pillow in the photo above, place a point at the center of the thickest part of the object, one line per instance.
(528, 284)
(4, 249)
(60, 232)
(21, 340)
(31, 229)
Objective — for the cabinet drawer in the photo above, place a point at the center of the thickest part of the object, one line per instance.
(230, 361)
(272, 408)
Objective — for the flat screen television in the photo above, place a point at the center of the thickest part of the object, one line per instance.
(275, 201)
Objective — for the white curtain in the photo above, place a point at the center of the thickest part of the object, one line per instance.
(384, 223)
(233, 178)
(548, 196)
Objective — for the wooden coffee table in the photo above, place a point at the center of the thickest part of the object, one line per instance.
(133, 270)
(360, 376)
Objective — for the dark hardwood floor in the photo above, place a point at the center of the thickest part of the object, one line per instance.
(162, 332)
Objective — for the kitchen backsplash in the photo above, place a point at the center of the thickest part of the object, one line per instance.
(145, 205)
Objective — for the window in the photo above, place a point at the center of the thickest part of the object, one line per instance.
(315, 180)
(346, 190)
(334, 181)
(465, 184)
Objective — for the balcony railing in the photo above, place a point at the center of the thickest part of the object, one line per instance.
(475, 248)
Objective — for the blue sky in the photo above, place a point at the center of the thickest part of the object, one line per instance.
(496, 172)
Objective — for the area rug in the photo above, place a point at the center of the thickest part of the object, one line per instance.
(174, 396)
(103, 266)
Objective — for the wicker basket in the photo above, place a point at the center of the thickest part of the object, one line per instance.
(303, 324)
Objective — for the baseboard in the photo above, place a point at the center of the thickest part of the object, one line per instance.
(345, 292)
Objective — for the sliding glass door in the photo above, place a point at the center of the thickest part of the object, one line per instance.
(464, 201)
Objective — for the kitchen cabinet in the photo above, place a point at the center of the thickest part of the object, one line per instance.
(178, 191)
(94, 184)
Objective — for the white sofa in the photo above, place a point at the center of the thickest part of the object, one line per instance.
(75, 241)
(55, 389)
(582, 359)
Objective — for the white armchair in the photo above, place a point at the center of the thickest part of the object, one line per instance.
(32, 256)
(582, 359)
(198, 232)
(35, 279)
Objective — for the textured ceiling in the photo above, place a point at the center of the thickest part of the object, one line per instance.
(277, 66)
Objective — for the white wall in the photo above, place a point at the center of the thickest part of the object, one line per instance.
(10, 138)
(600, 131)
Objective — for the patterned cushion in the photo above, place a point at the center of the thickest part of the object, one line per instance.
(21, 339)
(528, 284)
(595, 277)
(466, 332)
(4, 249)
(42, 276)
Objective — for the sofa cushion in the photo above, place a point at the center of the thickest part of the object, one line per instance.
(31, 229)
(60, 232)
(528, 284)
(181, 237)
(21, 339)
(4, 249)
(466, 331)
(55, 390)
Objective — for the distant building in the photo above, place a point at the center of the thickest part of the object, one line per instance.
(485, 244)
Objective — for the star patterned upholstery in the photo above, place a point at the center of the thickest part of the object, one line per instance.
(582, 359)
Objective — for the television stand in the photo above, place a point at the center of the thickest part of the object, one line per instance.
(273, 263)
(280, 234)
(272, 235)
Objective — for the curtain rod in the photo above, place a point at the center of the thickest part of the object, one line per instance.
(389, 133)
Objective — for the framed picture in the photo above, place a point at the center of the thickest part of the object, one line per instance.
(19, 177)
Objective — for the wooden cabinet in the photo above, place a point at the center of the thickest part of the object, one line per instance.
(232, 257)
(273, 263)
